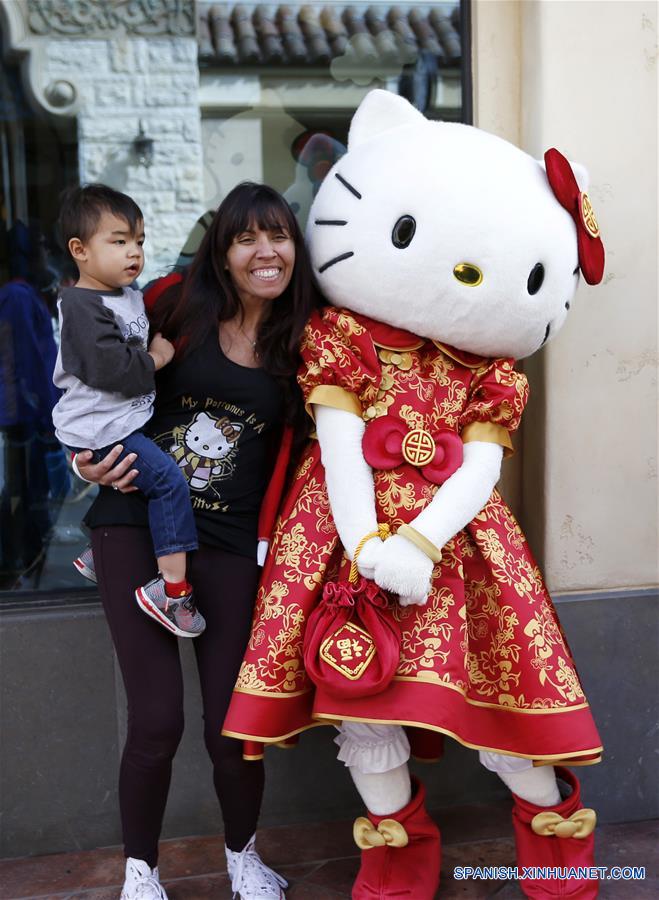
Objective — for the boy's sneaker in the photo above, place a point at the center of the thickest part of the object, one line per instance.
(178, 615)
(142, 882)
(85, 564)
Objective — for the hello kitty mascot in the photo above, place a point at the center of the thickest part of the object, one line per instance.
(446, 254)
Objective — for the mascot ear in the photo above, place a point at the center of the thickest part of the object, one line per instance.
(380, 111)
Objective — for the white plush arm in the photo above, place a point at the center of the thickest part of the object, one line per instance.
(463, 495)
(404, 568)
(349, 482)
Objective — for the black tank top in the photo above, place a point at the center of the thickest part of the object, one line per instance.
(216, 419)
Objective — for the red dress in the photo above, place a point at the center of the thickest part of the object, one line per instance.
(485, 660)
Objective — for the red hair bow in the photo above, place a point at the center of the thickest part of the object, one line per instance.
(388, 442)
(576, 202)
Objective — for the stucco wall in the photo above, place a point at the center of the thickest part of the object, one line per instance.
(582, 76)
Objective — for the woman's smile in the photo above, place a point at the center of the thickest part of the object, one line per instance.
(267, 274)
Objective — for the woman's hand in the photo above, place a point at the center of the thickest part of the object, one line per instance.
(105, 472)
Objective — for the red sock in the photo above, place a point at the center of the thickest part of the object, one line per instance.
(176, 589)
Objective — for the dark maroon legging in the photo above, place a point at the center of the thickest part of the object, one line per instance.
(225, 588)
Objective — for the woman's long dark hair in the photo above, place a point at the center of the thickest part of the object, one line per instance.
(208, 297)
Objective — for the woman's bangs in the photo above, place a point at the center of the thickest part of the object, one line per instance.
(270, 215)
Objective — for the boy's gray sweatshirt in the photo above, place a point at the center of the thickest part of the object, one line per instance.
(103, 367)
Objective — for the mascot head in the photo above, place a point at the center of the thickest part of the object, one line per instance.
(452, 233)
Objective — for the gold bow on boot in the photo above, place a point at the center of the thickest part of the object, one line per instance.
(389, 832)
(579, 825)
(400, 856)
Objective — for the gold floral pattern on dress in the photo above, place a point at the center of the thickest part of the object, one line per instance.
(451, 406)
(409, 383)
(545, 635)
(393, 494)
(412, 417)
(440, 369)
(277, 665)
(498, 395)
(425, 637)
(326, 354)
(303, 468)
(508, 567)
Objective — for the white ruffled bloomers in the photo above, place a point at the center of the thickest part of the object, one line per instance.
(372, 748)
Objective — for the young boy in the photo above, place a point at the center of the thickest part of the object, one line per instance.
(107, 373)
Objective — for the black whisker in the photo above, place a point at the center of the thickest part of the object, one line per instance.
(335, 260)
(330, 222)
(349, 186)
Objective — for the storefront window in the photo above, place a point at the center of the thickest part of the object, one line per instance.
(279, 86)
(174, 104)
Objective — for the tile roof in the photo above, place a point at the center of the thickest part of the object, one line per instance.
(242, 34)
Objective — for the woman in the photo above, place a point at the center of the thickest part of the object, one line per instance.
(236, 320)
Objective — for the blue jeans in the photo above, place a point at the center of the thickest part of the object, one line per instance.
(171, 520)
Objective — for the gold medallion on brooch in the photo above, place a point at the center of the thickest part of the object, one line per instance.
(418, 447)
(588, 215)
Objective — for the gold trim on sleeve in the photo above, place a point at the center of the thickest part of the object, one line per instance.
(421, 541)
(489, 433)
(334, 396)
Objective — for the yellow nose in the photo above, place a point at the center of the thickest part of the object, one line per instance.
(468, 274)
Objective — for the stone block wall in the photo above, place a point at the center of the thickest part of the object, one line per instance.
(120, 83)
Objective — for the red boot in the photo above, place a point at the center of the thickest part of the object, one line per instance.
(400, 853)
(556, 836)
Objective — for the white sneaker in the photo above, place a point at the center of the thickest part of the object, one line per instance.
(142, 882)
(251, 879)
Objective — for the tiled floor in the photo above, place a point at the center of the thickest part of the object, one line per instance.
(320, 862)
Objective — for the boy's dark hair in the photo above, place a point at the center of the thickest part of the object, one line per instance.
(82, 207)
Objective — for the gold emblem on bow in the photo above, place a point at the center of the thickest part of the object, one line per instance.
(579, 825)
(588, 215)
(418, 447)
(389, 832)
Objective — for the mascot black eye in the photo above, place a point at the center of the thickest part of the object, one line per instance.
(403, 232)
(536, 277)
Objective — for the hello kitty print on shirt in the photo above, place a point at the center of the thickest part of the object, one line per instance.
(205, 450)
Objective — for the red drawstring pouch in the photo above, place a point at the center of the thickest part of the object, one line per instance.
(351, 644)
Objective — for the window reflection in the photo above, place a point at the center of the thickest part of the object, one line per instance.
(277, 87)
(39, 497)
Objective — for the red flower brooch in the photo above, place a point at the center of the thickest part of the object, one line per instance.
(576, 202)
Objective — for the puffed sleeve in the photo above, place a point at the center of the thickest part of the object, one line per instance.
(495, 403)
(340, 366)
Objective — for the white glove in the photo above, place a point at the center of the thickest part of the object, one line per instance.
(405, 570)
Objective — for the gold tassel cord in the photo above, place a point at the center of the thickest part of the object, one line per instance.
(383, 533)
